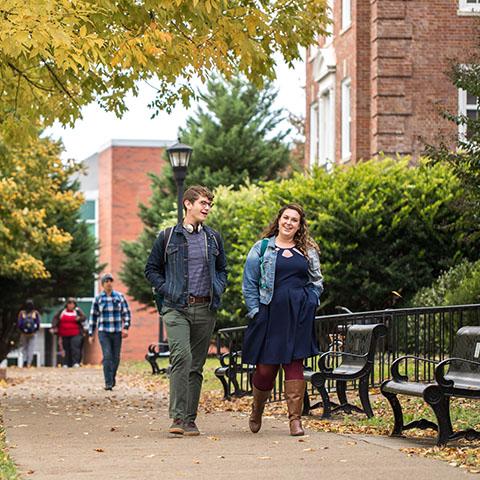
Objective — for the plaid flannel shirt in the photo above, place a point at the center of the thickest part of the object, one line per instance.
(110, 312)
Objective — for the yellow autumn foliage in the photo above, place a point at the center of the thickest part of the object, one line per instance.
(59, 55)
(32, 196)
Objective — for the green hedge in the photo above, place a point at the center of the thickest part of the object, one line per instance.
(458, 286)
(382, 226)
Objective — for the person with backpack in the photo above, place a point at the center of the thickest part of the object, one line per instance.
(188, 270)
(282, 284)
(28, 323)
(68, 324)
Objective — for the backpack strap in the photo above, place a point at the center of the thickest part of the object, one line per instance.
(167, 235)
(216, 237)
(263, 248)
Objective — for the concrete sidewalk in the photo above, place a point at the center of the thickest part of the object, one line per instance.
(61, 424)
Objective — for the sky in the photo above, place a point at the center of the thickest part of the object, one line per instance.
(98, 127)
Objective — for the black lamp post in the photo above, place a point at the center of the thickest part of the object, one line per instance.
(179, 155)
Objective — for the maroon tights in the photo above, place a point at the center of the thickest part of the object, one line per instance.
(264, 376)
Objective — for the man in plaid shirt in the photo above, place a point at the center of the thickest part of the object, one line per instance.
(110, 311)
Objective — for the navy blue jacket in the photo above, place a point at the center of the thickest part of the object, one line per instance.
(170, 278)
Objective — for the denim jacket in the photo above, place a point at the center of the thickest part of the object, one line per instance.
(170, 279)
(258, 289)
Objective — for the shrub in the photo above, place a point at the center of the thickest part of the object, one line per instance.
(460, 285)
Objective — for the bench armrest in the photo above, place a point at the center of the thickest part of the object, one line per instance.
(230, 356)
(394, 367)
(440, 370)
(322, 365)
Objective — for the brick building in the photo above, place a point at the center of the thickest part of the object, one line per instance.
(115, 183)
(378, 83)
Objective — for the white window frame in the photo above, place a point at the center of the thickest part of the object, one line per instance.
(326, 123)
(463, 108)
(346, 14)
(313, 134)
(329, 29)
(466, 8)
(92, 195)
(346, 120)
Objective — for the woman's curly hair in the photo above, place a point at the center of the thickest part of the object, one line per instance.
(302, 238)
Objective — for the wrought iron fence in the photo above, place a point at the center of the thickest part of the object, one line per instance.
(426, 332)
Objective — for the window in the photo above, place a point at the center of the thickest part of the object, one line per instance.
(346, 13)
(313, 134)
(326, 121)
(88, 213)
(346, 120)
(468, 105)
(469, 6)
(329, 26)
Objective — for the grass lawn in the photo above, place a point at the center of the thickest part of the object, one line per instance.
(143, 369)
(8, 470)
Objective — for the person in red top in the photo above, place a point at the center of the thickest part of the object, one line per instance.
(68, 325)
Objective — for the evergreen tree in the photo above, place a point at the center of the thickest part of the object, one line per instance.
(234, 139)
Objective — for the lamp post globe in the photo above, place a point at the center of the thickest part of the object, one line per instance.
(179, 155)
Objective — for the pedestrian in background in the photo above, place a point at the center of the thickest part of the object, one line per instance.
(68, 324)
(282, 284)
(28, 323)
(111, 315)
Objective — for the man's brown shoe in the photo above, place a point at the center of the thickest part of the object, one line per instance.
(177, 427)
(190, 429)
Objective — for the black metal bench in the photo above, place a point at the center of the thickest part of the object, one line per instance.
(155, 352)
(462, 380)
(357, 362)
(231, 368)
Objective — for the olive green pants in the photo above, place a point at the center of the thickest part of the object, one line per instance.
(189, 332)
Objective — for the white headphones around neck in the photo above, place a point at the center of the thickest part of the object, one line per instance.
(192, 228)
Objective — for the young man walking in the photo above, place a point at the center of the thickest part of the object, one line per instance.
(187, 269)
(110, 311)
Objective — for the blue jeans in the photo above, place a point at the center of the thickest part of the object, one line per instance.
(111, 344)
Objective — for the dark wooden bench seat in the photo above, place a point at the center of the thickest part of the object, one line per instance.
(462, 380)
(357, 362)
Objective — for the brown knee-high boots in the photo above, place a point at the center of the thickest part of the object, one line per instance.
(260, 398)
(294, 392)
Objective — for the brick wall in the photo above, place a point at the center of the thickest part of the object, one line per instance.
(397, 54)
(123, 184)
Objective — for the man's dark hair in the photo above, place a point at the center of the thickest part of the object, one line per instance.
(195, 192)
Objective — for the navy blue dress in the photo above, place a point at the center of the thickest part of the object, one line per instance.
(283, 331)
